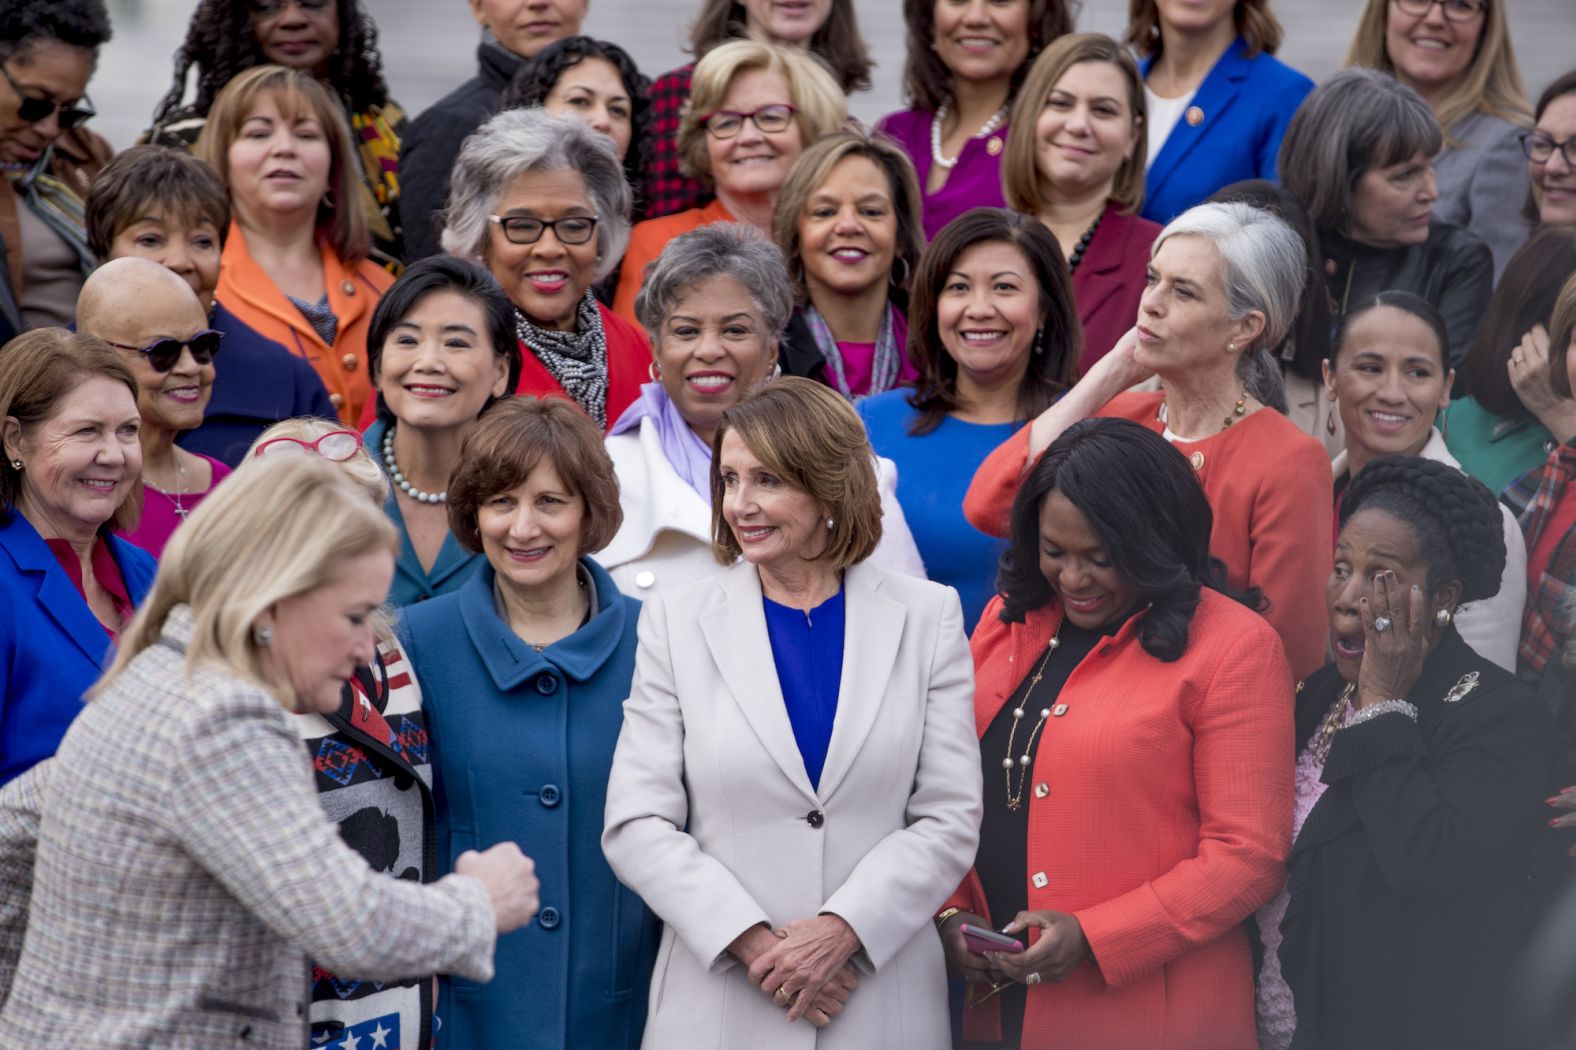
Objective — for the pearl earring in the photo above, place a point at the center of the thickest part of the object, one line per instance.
(263, 636)
(829, 523)
(16, 464)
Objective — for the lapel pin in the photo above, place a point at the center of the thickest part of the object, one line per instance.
(1194, 116)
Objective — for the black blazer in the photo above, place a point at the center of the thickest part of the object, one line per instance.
(1408, 880)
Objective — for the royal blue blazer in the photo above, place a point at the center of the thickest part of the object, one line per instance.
(52, 647)
(1245, 104)
(522, 746)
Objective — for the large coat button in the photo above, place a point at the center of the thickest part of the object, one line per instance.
(350, 362)
(549, 795)
(549, 918)
(645, 578)
(814, 818)
(546, 684)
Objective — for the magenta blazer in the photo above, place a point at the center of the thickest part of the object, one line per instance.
(1109, 281)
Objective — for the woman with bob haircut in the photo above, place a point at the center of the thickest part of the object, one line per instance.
(1549, 153)
(441, 351)
(1357, 155)
(542, 203)
(1117, 653)
(989, 271)
(793, 790)
(828, 29)
(295, 264)
(1223, 287)
(848, 223)
(1458, 56)
(1075, 161)
(222, 899)
(525, 669)
(748, 98)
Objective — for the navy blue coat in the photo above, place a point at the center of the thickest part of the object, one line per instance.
(522, 745)
(1243, 108)
(52, 647)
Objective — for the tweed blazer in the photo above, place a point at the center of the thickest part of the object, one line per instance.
(185, 870)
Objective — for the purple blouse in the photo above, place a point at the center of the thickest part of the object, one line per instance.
(974, 183)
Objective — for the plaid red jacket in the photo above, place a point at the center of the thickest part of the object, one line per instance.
(668, 189)
(1547, 621)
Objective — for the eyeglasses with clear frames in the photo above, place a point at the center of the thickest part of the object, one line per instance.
(726, 123)
(335, 446)
(1455, 10)
(525, 229)
(1540, 148)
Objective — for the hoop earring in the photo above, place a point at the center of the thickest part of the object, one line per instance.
(654, 372)
(776, 372)
(900, 282)
(328, 201)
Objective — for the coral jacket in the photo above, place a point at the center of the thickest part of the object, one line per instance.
(646, 242)
(353, 291)
(1164, 822)
(1266, 483)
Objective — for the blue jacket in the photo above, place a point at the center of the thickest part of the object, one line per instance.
(522, 745)
(1245, 104)
(52, 647)
(454, 564)
(257, 382)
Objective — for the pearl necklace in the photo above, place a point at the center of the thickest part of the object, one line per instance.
(940, 118)
(1015, 798)
(399, 478)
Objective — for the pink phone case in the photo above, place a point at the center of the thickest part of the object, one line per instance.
(981, 941)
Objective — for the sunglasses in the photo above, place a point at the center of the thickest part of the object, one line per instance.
(162, 354)
(335, 446)
(521, 229)
(35, 108)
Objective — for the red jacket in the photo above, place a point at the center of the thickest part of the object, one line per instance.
(1166, 823)
(628, 366)
(1109, 281)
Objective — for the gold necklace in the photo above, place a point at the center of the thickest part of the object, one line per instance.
(1238, 410)
(1320, 748)
(1015, 798)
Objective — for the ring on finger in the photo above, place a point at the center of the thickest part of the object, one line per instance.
(1033, 978)
(1381, 624)
(783, 996)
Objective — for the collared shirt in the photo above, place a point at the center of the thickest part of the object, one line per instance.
(105, 571)
(1542, 500)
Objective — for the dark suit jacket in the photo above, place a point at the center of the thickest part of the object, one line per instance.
(1109, 281)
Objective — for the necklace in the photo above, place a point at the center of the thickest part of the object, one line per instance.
(181, 510)
(1238, 410)
(1015, 798)
(399, 478)
(1339, 712)
(940, 118)
(1083, 246)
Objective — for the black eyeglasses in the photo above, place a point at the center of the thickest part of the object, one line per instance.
(35, 108)
(523, 229)
(270, 8)
(1455, 10)
(163, 353)
(726, 123)
(1540, 148)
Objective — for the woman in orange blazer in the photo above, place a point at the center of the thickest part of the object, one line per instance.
(1223, 285)
(295, 264)
(1134, 718)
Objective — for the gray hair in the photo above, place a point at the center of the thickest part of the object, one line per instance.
(518, 141)
(1264, 267)
(722, 249)
(1358, 120)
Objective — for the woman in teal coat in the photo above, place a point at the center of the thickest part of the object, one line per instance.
(524, 670)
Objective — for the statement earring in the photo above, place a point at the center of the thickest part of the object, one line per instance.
(1442, 618)
(1039, 342)
(1329, 422)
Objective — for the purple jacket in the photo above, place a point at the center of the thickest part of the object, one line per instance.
(974, 183)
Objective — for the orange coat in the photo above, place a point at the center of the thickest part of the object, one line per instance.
(1166, 823)
(646, 242)
(353, 292)
(1267, 483)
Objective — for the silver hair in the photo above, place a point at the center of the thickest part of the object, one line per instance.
(1264, 267)
(722, 249)
(518, 141)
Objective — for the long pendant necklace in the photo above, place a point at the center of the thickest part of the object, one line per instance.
(1015, 797)
(181, 510)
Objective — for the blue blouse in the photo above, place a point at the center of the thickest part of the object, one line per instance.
(807, 648)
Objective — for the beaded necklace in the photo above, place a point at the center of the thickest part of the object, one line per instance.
(940, 118)
(398, 477)
(1083, 244)
(1015, 798)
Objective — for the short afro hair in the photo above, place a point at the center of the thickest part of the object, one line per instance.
(76, 23)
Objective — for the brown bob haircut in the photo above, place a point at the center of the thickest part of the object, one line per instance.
(927, 82)
(157, 181)
(1562, 330)
(514, 437)
(37, 371)
(1020, 174)
(299, 97)
(1525, 296)
(838, 42)
(1256, 24)
(810, 437)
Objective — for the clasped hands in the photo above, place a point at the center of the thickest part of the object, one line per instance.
(803, 966)
(1059, 950)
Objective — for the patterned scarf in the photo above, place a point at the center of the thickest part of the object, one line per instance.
(883, 370)
(577, 359)
(54, 202)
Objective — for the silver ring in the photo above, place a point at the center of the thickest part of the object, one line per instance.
(1381, 624)
(1033, 978)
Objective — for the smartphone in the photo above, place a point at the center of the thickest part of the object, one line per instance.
(981, 941)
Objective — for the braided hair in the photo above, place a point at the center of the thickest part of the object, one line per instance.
(1454, 517)
(220, 43)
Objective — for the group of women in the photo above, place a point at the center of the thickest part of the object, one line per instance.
(718, 457)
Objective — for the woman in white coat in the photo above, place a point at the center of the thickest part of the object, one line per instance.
(715, 304)
(794, 790)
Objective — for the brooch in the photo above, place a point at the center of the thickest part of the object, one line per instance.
(1464, 685)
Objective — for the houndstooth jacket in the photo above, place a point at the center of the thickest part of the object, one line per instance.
(185, 871)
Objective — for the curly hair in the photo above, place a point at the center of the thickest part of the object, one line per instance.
(1454, 517)
(77, 23)
(220, 43)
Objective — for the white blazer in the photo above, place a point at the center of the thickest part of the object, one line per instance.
(665, 540)
(712, 819)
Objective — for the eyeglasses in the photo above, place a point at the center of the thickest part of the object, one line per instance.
(522, 229)
(726, 123)
(335, 446)
(1540, 148)
(35, 108)
(1455, 10)
(162, 354)
(271, 8)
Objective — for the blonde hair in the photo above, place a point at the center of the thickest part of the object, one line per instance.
(361, 468)
(274, 529)
(1490, 84)
(299, 96)
(819, 103)
(1020, 173)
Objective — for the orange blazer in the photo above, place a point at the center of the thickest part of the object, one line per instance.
(353, 292)
(646, 242)
(1164, 822)
(1265, 481)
